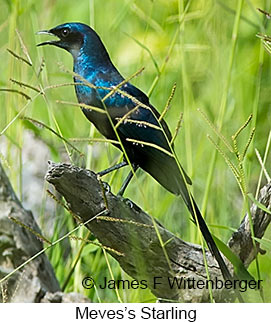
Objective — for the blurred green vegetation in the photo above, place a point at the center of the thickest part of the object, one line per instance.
(195, 42)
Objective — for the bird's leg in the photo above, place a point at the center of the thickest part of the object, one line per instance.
(110, 169)
(127, 180)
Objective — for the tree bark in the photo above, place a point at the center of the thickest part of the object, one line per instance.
(36, 282)
(135, 239)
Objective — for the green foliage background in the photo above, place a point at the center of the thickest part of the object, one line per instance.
(197, 49)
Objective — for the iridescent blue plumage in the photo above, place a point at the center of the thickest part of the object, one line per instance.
(100, 73)
(145, 140)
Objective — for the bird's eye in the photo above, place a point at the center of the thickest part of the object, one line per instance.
(65, 32)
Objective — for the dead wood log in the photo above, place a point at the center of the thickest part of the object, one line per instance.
(133, 234)
(36, 281)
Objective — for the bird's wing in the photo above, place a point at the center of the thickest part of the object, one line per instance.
(146, 139)
(150, 142)
(121, 103)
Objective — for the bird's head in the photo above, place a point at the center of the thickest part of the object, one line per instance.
(72, 37)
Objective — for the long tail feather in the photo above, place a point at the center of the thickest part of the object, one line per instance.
(196, 214)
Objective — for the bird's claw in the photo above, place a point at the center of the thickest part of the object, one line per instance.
(106, 187)
(128, 202)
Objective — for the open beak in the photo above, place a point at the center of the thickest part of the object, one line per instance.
(51, 42)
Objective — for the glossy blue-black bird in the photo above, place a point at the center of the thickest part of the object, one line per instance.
(138, 128)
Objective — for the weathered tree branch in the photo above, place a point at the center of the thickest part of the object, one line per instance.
(17, 245)
(241, 242)
(132, 233)
(36, 282)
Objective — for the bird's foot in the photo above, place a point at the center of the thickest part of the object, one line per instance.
(106, 187)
